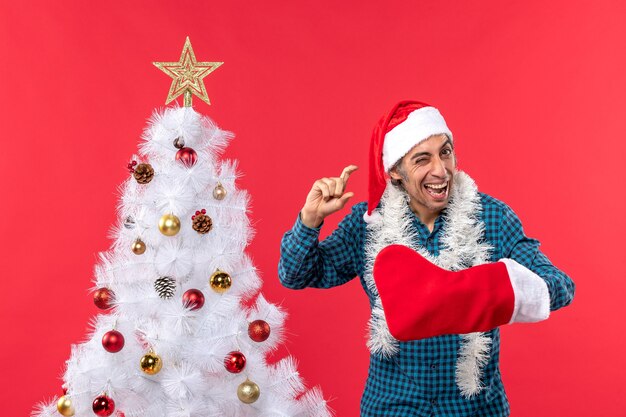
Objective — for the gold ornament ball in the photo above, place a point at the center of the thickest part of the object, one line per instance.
(151, 363)
(219, 192)
(139, 247)
(220, 281)
(248, 392)
(169, 224)
(65, 407)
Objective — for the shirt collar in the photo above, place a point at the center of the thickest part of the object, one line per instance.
(439, 222)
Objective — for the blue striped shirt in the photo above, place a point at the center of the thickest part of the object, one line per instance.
(420, 379)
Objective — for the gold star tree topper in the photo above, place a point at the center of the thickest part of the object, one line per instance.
(187, 75)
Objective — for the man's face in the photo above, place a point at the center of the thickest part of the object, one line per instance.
(426, 173)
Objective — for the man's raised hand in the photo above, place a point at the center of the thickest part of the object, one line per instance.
(326, 197)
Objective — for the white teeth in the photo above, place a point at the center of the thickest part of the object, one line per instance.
(437, 187)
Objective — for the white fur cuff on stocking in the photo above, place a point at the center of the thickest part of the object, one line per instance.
(532, 299)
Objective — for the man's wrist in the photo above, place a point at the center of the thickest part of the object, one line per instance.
(311, 221)
(304, 232)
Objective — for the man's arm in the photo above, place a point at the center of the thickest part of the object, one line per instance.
(522, 288)
(525, 251)
(306, 262)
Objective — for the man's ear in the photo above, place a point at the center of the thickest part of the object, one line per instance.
(394, 174)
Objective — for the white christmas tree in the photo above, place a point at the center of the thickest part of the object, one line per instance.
(175, 338)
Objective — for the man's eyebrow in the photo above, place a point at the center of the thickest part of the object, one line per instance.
(447, 142)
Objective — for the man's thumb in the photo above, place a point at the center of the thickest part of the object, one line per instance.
(344, 199)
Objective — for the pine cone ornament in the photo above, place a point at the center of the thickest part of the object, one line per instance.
(143, 173)
(201, 222)
(165, 287)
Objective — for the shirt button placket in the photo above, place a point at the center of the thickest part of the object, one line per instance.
(434, 367)
(431, 245)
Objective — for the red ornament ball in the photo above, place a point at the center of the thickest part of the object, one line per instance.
(103, 298)
(259, 330)
(187, 156)
(103, 406)
(113, 341)
(234, 362)
(193, 299)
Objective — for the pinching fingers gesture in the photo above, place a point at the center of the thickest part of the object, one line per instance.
(326, 197)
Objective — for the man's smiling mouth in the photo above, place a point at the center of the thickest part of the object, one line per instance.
(437, 190)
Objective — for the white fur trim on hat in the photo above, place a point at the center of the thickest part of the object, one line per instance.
(419, 125)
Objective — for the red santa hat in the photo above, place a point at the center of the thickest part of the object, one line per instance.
(408, 123)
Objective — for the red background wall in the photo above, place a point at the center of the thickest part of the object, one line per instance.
(532, 90)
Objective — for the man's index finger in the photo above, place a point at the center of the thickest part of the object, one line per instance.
(347, 171)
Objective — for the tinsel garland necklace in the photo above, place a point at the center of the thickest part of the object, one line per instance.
(460, 248)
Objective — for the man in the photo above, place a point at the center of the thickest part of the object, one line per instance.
(443, 266)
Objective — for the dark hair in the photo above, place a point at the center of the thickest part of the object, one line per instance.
(397, 167)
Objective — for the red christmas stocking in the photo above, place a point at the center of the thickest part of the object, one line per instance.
(422, 300)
